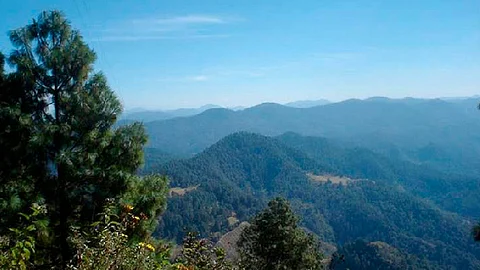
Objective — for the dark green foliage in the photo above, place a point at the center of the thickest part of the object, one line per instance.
(18, 247)
(155, 157)
(19, 159)
(274, 241)
(148, 195)
(57, 140)
(202, 255)
(361, 255)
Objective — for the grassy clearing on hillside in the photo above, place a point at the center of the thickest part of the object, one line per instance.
(332, 178)
(178, 191)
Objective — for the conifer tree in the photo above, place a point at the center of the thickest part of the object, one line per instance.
(61, 145)
(274, 241)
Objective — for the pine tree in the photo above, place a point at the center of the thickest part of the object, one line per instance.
(19, 159)
(60, 115)
(274, 241)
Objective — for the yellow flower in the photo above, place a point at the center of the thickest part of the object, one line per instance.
(147, 246)
(136, 218)
(150, 247)
(129, 207)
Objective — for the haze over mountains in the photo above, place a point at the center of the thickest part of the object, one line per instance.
(307, 103)
(144, 115)
(147, 115)
(385, 172)
(438, 132)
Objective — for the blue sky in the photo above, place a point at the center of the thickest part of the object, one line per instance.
(170, 54)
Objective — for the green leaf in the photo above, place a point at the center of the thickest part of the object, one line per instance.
(26, 253)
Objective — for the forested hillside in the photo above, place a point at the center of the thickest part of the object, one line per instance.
(361, 255)
(236, 176)
(455, 192)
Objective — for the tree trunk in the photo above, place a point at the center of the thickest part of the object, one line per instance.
(62, 192)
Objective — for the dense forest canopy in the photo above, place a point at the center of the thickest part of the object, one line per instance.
(385, 200)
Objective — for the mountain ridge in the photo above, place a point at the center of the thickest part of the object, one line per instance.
(393, 128)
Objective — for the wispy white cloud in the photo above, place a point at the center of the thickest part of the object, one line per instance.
(184, 79)
(157, 37)
(167, 28)
(189, 19)
(199, 78)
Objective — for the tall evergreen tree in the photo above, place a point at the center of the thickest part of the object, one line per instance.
(274, 241)
(18, 159)
(70, 156)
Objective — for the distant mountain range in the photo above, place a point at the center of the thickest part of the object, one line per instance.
(441, 133)
(145, 115)
(155, 115)
(307, 103)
